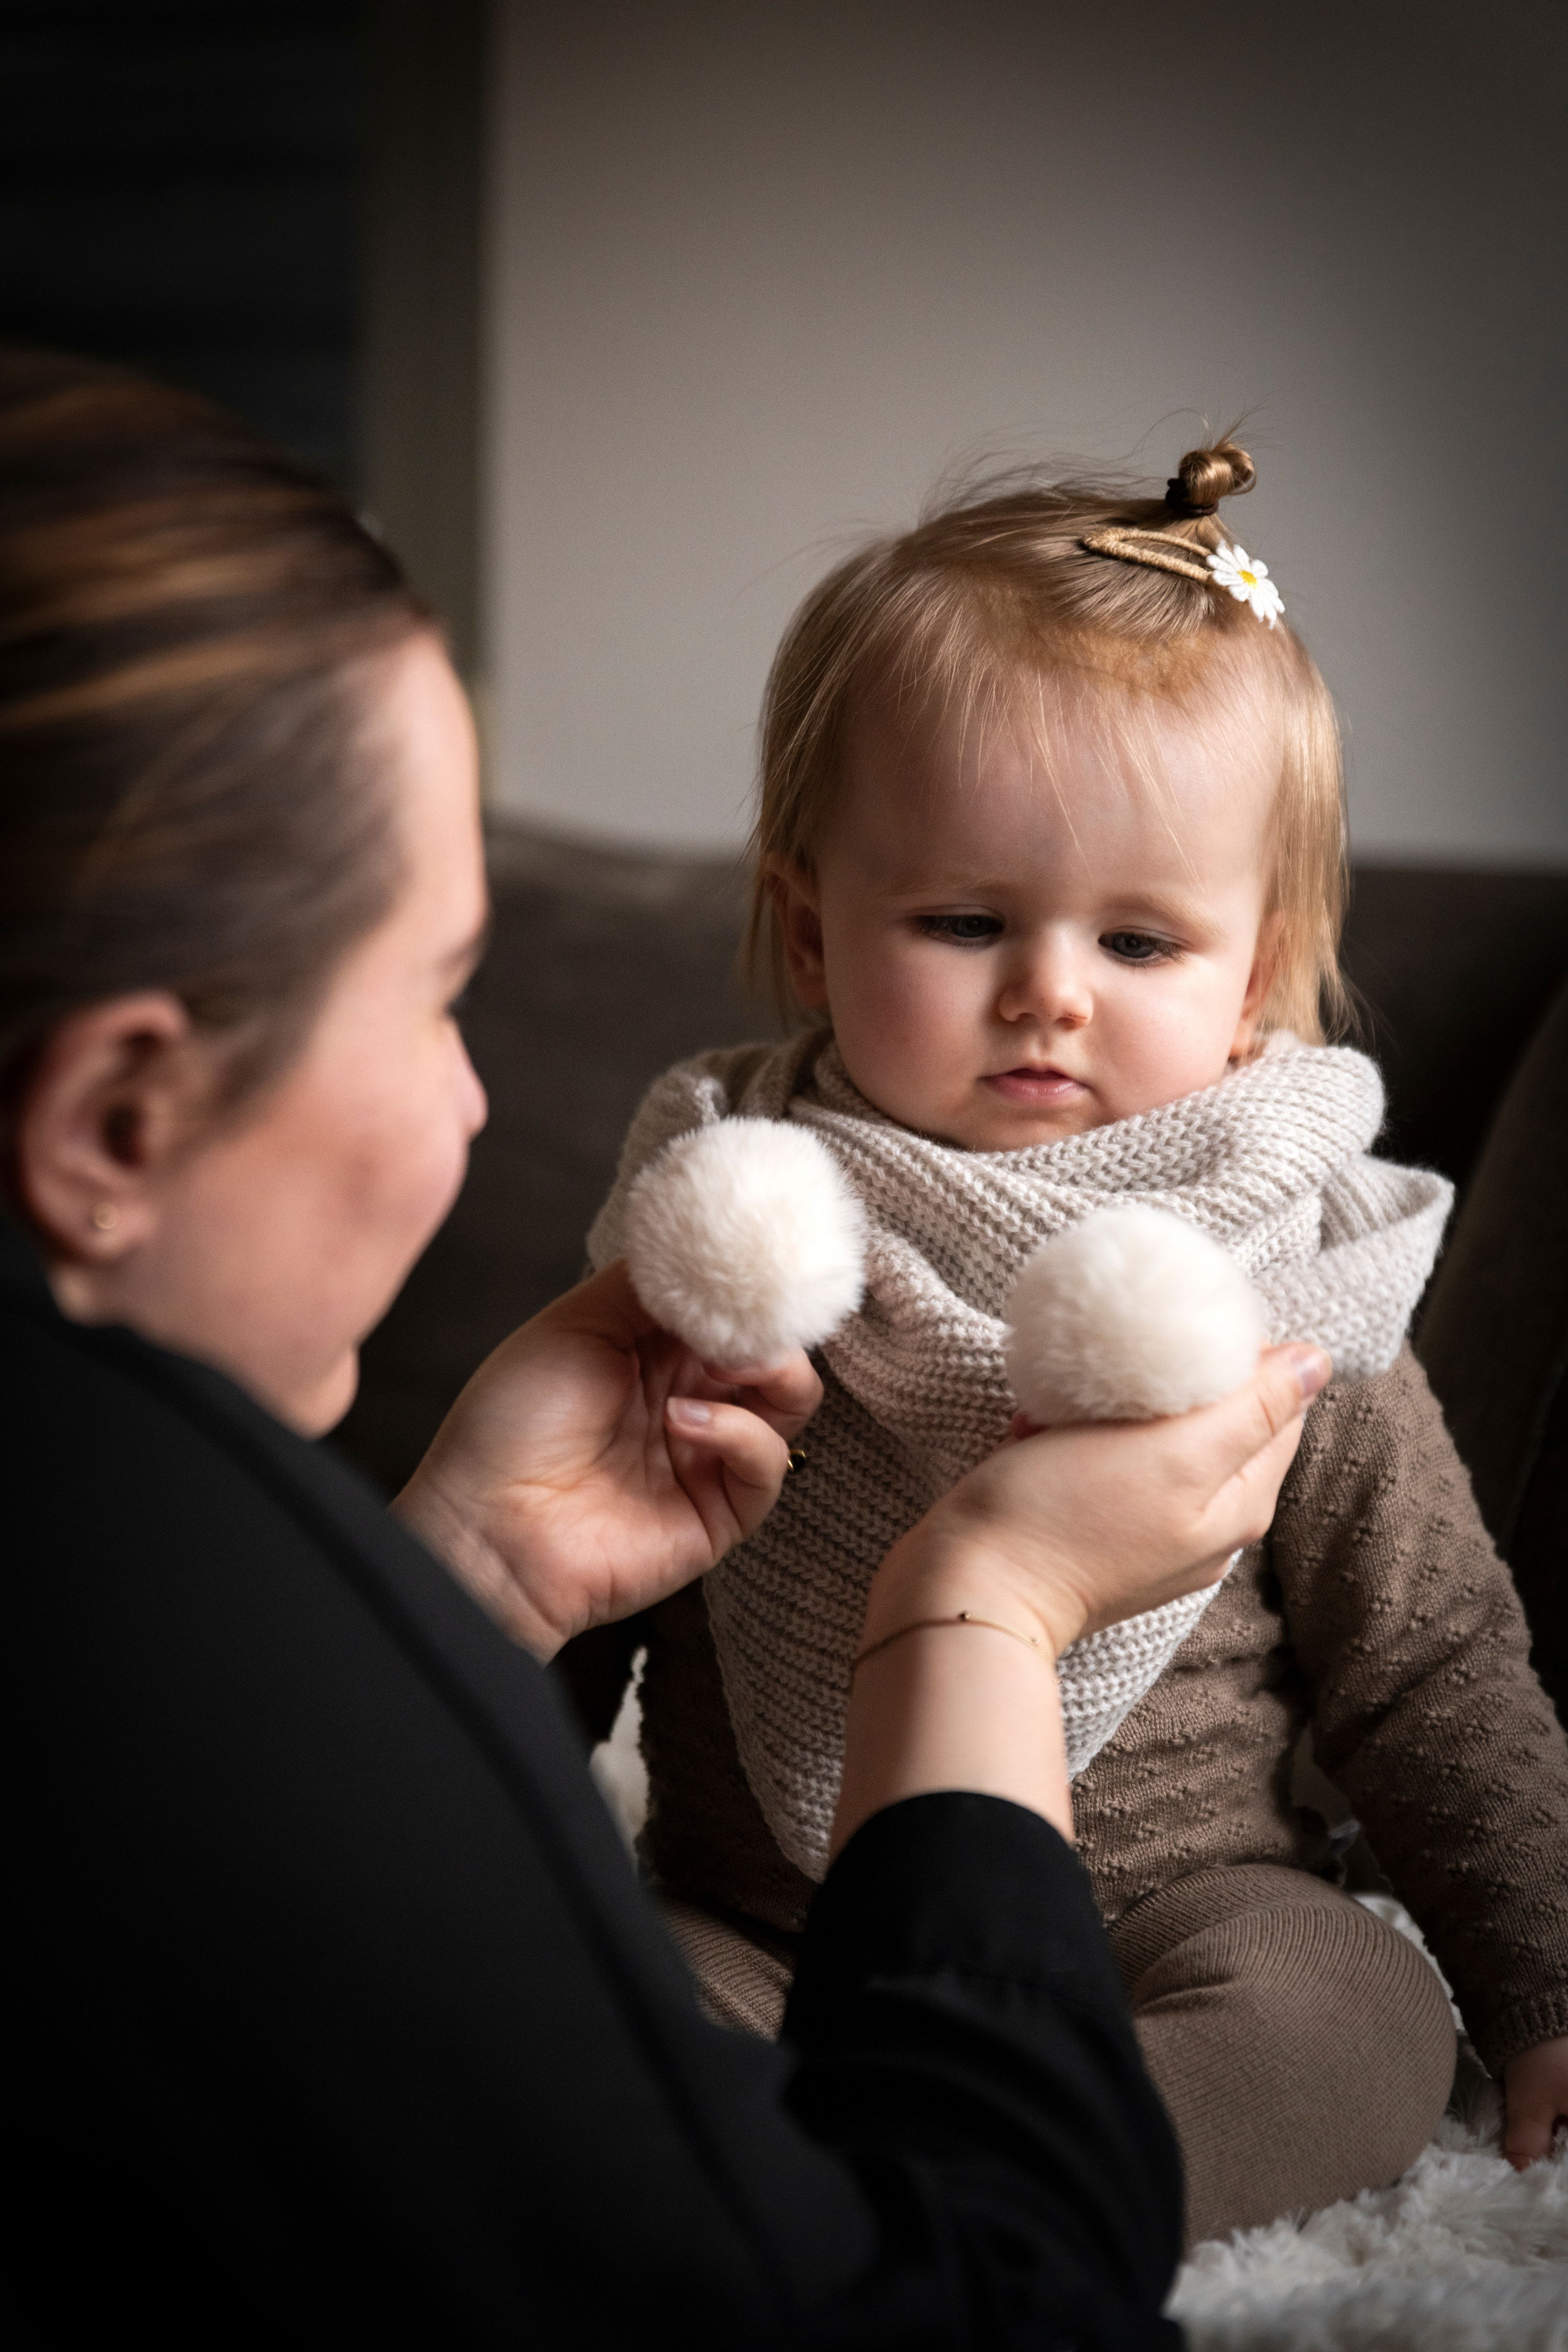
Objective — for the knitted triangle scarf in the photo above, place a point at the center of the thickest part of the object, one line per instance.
(1272, 1162)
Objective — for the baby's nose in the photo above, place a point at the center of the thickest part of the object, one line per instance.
(1050, 986)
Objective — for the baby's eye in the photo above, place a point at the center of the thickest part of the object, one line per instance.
(966, 930)
(1135, 947)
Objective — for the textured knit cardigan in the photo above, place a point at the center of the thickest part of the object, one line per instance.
(1339, 1245)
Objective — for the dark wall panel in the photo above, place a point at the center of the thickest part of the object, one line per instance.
(180, 187)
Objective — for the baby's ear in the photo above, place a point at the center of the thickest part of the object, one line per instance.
(796, 899)
(1266, 958)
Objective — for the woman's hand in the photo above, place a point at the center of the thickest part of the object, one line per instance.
(1065, 1531)
(1535, 2096)
(593, 1464)
(1053, 1536)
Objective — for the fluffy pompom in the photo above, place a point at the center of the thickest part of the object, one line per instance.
(746, 1241)
(1132, 1313)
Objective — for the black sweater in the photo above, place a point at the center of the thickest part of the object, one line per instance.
(343, 2019)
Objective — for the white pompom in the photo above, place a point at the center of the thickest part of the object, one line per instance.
(745, 1240)
(1132, 1313)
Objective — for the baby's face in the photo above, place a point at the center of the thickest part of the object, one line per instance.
(1010, 955)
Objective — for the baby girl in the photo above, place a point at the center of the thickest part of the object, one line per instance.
(1052, 850)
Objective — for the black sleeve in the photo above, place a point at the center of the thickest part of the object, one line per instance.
(965, 2045)
(343, 2017)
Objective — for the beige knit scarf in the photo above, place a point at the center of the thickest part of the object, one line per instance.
(1272, 1161)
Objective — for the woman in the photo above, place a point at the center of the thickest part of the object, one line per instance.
(345, 2018)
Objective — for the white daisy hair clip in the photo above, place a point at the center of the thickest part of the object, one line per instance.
(1246, 579)
(1244, 576)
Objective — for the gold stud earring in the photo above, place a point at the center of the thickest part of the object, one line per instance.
(105, 1217)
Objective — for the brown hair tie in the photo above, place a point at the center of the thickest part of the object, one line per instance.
(1181, 503)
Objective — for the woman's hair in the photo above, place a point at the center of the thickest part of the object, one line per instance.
(997, 591)
(187, 801)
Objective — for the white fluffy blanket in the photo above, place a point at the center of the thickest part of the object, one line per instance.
(1464, 2254)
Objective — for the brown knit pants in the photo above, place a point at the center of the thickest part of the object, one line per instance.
(1305, 2050)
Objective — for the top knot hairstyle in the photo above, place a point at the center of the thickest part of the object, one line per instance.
(1206, 475)
(186, 801)
(1022, 578)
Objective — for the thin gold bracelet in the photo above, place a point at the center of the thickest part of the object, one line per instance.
(925, 1624)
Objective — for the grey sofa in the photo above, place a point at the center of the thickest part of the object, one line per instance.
(606, 967)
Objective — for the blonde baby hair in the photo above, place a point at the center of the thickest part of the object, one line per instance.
(1022, 580)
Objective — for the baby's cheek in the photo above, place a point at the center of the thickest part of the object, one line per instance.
(906, 1035)
(1171, 1040)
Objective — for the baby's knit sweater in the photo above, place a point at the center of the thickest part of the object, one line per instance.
(1376, 1607)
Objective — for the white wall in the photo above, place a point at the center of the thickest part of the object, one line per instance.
(758, 273)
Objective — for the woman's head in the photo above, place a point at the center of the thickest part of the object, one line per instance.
(1051, 679)
(236, 785)
(185, 618)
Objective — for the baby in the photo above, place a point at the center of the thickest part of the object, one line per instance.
(1051, 847)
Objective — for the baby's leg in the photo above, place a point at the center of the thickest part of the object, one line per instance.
(1304, 2049)
(742, 1973)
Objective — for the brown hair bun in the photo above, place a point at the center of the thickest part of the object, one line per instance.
(1206, 475)
(190, 801)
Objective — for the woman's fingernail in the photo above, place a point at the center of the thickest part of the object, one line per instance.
(689, 1412)
(1311, 1368)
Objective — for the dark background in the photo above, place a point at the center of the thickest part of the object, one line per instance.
(277, 203)
(181, 188)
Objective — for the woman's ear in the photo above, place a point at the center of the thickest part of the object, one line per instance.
(796, 911)
(1259, 982)
(116, 1091)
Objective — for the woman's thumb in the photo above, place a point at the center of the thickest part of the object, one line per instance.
(1244, 1426)
(1299, 1370)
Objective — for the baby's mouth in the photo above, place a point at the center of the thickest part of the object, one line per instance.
(1041, 1087)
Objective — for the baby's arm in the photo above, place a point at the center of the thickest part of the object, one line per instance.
(1426, 1710)
(1536, 2081)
